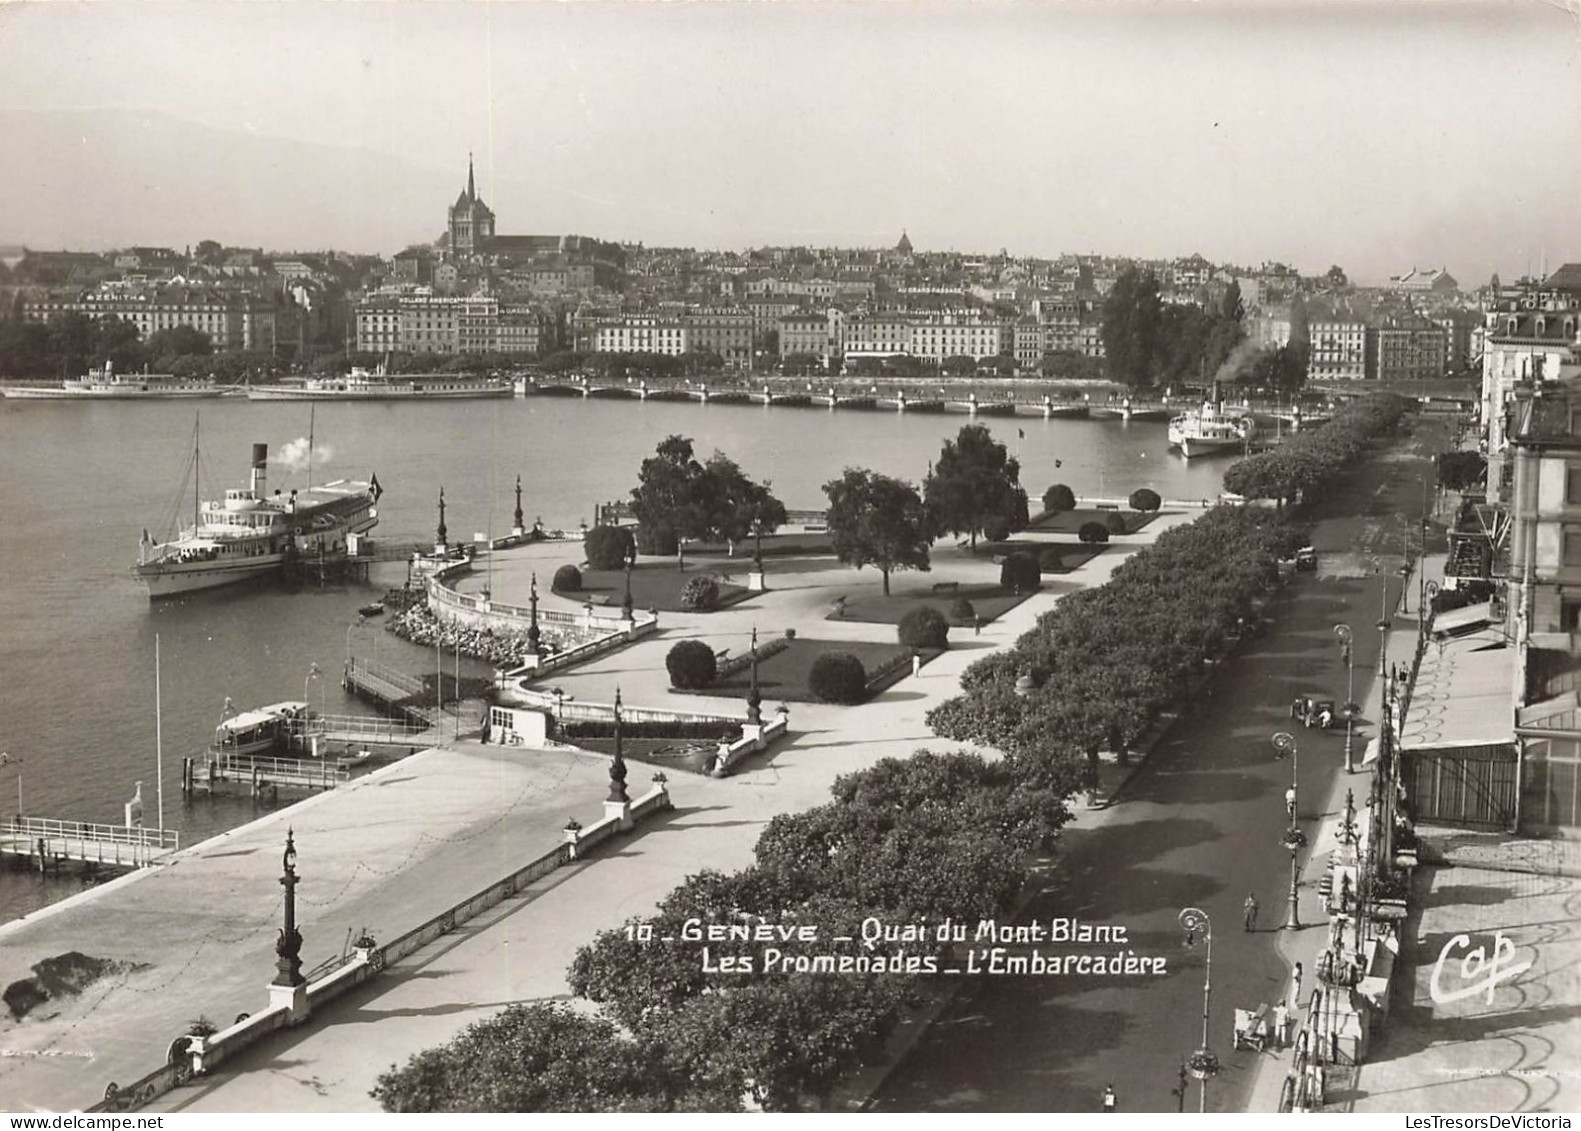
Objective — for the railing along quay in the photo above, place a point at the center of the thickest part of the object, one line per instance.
(46, 839)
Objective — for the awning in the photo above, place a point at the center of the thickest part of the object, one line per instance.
(1371, 754)
(1457, 621)
(1462, 697)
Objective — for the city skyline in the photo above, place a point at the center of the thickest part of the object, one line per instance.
(1306, 133)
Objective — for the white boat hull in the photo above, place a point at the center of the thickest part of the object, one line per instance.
(47, 393)
(290, 393)
(170, 579)
(1198, 446)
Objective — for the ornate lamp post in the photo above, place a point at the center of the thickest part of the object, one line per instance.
(517, 522)
(617, 767)
(313, 671)
(1202, 1064)
(532, 617)
(1293, 839)
(1343, 633)
(625, 604)
(288, 947)
(754, 697)
(441, 535)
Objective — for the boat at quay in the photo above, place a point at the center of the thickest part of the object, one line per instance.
(1209, 430)
(250, 534)
(377, 385)
(105, 382)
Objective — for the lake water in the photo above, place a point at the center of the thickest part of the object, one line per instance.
(79, 482)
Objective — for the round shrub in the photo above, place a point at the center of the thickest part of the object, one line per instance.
(996, 529)
(1059, 498)
(962, 611)
(567, 579)
(1050, 557)
(701, 594)
(1115, 521)
(1093, 533)
(608, 547)
(657, 540)
(691, 664)
(838, 677)
(1146, 500)
(1020, 572)
(924, 627)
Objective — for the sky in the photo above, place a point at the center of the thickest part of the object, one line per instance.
(1378, 136)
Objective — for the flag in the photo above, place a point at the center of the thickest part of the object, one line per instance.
(374, 489)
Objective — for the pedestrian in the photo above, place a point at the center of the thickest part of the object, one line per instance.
(1295, 987)
(1281, 1024)
(916, 663)
(1290, 802)
(977, 625)
(1251, 911)
(1108, 1098)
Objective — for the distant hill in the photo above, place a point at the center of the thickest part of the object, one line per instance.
(97, 179)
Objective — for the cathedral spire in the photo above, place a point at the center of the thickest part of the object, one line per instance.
(472, 192)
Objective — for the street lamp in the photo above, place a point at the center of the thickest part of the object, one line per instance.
(1343, 633)
(358, 623)
(1202, 1064)
(1293, 839)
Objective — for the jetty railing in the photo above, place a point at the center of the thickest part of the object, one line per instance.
(81, 840)
(281, 771)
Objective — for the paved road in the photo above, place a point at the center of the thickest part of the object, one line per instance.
(1199, 825)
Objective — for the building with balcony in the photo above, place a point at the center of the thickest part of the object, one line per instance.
(1339, 351)
(232, 320)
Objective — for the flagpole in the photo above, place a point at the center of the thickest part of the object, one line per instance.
(159, 739)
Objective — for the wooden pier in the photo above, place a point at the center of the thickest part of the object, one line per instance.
(261, 774)
(46, 843)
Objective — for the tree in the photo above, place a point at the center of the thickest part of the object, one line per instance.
(1020, 572)
(1132, 314)
(608, 547)
(1093, 533)
(1459, 471)
(210, 253)
(567, 579)
(730, 506)
(700, 594)
(180, 341)
(665, 499)
(974, 480)
(878, 521)
(541, 1057)
(1336, 277)
(1231, 308)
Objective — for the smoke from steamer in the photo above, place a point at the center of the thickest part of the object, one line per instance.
(294, 455)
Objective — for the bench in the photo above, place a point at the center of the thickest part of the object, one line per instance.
(946, 586)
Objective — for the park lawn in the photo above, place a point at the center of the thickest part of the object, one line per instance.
(989, 602)
(1071, 554)
(1070, 522)
(654, 585)
(782, 677)
(807, 544)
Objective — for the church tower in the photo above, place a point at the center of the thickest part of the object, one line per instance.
(471, 221)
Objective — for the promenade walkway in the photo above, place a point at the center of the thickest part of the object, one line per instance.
(197, 937)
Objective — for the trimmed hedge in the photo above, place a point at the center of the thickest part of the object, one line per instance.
(962, 611)
(1146, 500)
(691, 664)
(1059, 498)
(924, 627)
(1093, 533)
(838, 677)
(1115, 521)
(996, 529)
(567, 579)
(608, 547)
(1020, 572)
